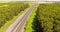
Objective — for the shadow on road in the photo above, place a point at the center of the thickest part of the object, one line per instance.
(36, 26)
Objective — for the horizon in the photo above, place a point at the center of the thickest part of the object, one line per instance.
(27, 0)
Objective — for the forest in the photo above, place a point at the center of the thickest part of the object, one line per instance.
(9, 10)
(49, 17)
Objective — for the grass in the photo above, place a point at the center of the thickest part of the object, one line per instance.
(3, 28)
(29, 25)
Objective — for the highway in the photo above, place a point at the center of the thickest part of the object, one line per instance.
(20, 23)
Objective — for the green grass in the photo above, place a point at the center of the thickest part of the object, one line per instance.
(28, 27)
(3, 28)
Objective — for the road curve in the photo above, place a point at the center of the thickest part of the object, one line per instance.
(19, 24)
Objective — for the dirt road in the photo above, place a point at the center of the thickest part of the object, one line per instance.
(19, 24)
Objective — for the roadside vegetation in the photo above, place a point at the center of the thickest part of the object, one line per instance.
(45, 18)
(8, 14)
(30, 24)
(49, 17)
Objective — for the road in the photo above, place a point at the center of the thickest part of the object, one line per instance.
(19, 24)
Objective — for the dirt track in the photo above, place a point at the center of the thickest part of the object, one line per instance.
(19, 24)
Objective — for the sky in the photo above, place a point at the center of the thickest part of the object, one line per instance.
(30, 0)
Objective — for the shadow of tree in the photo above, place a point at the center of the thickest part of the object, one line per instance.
(36, 25)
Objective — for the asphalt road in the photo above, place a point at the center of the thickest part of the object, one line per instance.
(19, 24)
